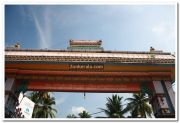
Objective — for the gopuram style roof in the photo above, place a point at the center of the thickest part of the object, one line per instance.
(85, 42)
(157, 57)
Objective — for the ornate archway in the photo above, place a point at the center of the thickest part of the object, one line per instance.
(86, 67)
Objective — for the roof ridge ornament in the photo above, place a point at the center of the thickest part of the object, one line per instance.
(17, 45)
(85, 45)
(152, 50)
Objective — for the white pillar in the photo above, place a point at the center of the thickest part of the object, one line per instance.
(163, 99)
(170, 92)
(9, 87)
(9, 84)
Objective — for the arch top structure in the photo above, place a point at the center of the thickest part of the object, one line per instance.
(86, 67)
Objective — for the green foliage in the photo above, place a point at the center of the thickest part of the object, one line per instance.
(43, 105)
(146, 90)
(138, 106)
(71, 116)
(83, 114)
(114, 107)
(22, 87)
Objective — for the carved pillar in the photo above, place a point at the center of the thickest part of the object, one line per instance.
(10, 97)
(9, 87)
(163, 99)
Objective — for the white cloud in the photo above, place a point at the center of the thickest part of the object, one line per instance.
(159, 29)
(164, 29)
(43, 28)
(60, 100)
(164, 34)
(76, 110)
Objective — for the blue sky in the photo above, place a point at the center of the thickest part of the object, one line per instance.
(120, 27)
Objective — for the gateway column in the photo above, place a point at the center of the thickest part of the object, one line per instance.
(9, 88)
(10, 98)
(163, 100)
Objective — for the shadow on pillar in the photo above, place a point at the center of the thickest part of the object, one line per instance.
(161, 101)
(11, 98)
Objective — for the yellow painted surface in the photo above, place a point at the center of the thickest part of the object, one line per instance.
(38, 66)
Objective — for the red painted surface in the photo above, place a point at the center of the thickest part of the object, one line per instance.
(83, 87)
(43, 72)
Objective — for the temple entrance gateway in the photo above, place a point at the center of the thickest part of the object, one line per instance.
(86, 67)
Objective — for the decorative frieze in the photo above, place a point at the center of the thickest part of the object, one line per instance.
(86, 59)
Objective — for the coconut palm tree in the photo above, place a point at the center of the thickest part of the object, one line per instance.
(138, 105)
(84, 114)
(71, 116)
(114, 107)
(43, 105)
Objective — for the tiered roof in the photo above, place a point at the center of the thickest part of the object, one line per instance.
(85, 45)
(94, 55)
(85, 42)
(73, 56)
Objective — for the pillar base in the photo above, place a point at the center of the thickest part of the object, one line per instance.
(163, 100)
(169, 115)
